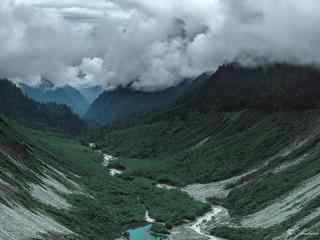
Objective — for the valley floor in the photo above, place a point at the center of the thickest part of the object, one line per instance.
(240, 176)
(259, 171)
(52, 187)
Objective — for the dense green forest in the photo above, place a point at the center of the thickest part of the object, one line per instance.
(16, 105)
(220, 128)
(269, 118)
(108, 206)
(274, 87)
(271, 138)
(124, 103)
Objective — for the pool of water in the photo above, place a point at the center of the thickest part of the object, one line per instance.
(143, 233)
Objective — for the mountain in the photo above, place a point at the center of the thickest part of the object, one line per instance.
(53, 187)
(18, 106)
(91, 93)
(244, 140)
(235, 157)
(122, 103)
(46, 92)
(45, 84)
(268, 87)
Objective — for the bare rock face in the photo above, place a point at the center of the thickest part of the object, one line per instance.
(218, 216)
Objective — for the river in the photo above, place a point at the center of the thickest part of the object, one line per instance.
(192, 231)
(143, 233)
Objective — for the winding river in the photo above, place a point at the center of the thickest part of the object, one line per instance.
(195, 230)
(191, 231)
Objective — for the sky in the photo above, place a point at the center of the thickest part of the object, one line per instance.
(150, 44)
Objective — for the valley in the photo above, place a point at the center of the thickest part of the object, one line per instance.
(274, 198)
(99, 207)
(195, 170)
(159, 120)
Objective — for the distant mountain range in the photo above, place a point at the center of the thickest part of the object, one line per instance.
(16, 105)
(46, 92)
(125, 102)
(91, 93)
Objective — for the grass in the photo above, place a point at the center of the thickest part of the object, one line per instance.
(111, 204)
(239, 233)
(264, 189)
(173, 149)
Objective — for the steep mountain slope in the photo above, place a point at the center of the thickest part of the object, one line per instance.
(269, 87)
(31, 187)
(91, 93)
(46, 92)
(122, 103)
(52, 187)
(246, 139)
(16, 105)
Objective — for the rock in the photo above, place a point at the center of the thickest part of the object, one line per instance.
(93, 145)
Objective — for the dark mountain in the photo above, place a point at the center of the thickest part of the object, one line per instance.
(91, 93)
(246, 139)
(46, 92)
(215, 100)
(270, 87)
(51, 115)
(45, 84)
(122, 103)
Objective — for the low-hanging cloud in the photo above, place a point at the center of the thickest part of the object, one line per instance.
(150, 45)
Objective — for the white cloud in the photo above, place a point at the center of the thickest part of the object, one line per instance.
(154, 44)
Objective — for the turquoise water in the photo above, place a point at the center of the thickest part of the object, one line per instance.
(142, 233)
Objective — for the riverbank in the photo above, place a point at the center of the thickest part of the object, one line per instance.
(201, 227)
(170, 205)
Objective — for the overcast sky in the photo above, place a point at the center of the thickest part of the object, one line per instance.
(153, 44)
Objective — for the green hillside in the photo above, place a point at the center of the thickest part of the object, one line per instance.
(95, 205)
(254, 165)
(264, 146)
(50, 116)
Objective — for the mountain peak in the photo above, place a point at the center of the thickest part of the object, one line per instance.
(47, 92)
(45, 84)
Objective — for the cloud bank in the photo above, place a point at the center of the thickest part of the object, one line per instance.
(150, 45)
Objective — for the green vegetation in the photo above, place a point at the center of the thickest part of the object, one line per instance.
(212, 146)
(212, 134)
(110, 205)
(203, 147)
(253, 197)
(274, 87)
(51, 116)
(13, 143)
(159, 228)
(239, 233)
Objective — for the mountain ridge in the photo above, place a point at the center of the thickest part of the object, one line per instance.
(46, 92)
(16, 105)
(125, 102)
(251, 153)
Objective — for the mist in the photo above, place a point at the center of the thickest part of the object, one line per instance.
(151, 45)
